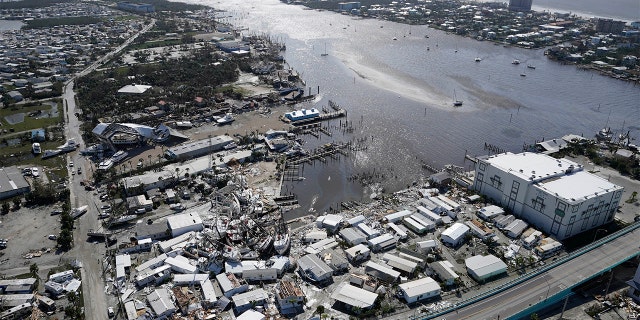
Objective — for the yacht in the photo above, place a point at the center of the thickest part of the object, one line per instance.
(35, 148)
(118, 156)
(70, 145)
(50, 153)
(282, 243)
(228, 118)
(531, 67)
(515, 61)
(478, 59)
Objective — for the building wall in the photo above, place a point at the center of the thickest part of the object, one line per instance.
(520, 5)
(547, 212)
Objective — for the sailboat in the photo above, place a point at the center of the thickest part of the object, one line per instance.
(456, 102)
(324, 54)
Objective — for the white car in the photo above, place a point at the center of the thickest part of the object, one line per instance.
(52, 237)
(35, 172)
(71, 163)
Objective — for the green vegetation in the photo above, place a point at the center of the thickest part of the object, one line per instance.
(29, 123)
(52, 22)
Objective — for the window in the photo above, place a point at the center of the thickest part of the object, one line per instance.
(496, 182)
(538, 204)
(617, 194)
(570, 226)
(574, 208)
(482, 166)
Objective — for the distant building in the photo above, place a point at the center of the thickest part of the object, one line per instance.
(348, 6)
(198, 148)
(520, 5)
(609, 26)
(634, 286)
(137, 7)
(554, 195)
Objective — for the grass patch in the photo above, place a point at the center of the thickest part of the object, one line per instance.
(29, 123)
(52, 22)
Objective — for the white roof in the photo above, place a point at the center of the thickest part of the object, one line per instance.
(491, 211)
(332, 220)
(184, 220)
(427, 244)
(180, 265)
(397, 229)
(354, 296)
(485, 265)
(578, 186)
(532, 166)
(327, 243)
(247, 297)
(314, 265)
(370, 232)
(399, 263)
(352, 234)
(516, 227)
(456, 231)
(357, 219)
(157, 260)
(123, 260)
(419, 287)
(167, 245)
(398, 215)
(160, 301)
(181, 279)
(134, 88)
(208, 292)
(360, 248)
(251, 315)
(380, 239)
(382, 269)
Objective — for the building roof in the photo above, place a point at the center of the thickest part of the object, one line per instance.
(160, 301)
(532, 166)
(214, 143)
(383, 269)
(399, 263)
(419, 287)
(352, 234)
(251, 315)
(381, 239)
(491, 211)
(354, 296)
(456, 231)
(396, 216)
(485, 265)
(250, 296)
(578, 186)
(184, 220)
(134, 89)
(359, 248)
(311, 264)
(11, 179)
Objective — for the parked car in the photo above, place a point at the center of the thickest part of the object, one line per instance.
(110, 312)
(106, 206)
(71, 163)
(52, 237)
(141, 210)
(35, 172)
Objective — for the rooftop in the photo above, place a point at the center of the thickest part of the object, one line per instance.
(532, 166)
(420, 286)
(578, 186)
(354, 296)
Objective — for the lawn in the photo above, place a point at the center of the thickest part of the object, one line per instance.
(29, 123)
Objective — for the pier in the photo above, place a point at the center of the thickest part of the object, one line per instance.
(327, 151)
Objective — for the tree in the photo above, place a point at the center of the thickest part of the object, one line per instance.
(33, 270)
(16, 203)
(320, 309)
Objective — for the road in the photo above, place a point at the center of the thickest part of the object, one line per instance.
(90, 254)
(520, 297)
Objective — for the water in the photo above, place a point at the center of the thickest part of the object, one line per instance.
(399, 96)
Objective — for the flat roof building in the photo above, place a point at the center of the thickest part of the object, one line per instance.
(353, 236)
(183, 223)
(12, 183)
(198, 148)
(358, 253)
(488, 213)
(554, 195)
(382, 272)
(383, 242)
(314, 269)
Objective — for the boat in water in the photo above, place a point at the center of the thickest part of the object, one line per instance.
(531, 67)
(477, 59)
(605, 134)
(228, 118)
(35, 148)
(456, 102)
(515, 61)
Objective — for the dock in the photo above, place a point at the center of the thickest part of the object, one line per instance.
(326, 151)
(322, 117)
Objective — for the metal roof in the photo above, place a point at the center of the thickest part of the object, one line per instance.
(354, 296)
(419, 287)
(485, 265)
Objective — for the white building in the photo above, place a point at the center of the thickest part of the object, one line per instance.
(484, 268)
(515, 228)
(383, 242)
(398, 216)
(354, 296)
(420, 289)
(289, 296)
(61, 277)
(180, 224)
(314, 269)
(401, 264)
(397, 230)
(488, 213)
(429, 224)
(180, 264)
(454, 235)
(353, 236)
(358, 253)
(445, 272)
(231, 285)
(161, 303)
(247, 300)
(554, 195)
(429, 214)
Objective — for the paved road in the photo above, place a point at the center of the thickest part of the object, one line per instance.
(524, 295)
(90, 254)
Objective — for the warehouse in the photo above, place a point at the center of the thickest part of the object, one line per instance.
(384, 273)
(454, 235)
(420, 289)
(485, 268)
(198, 148)
(12, 183)
(555, 195)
